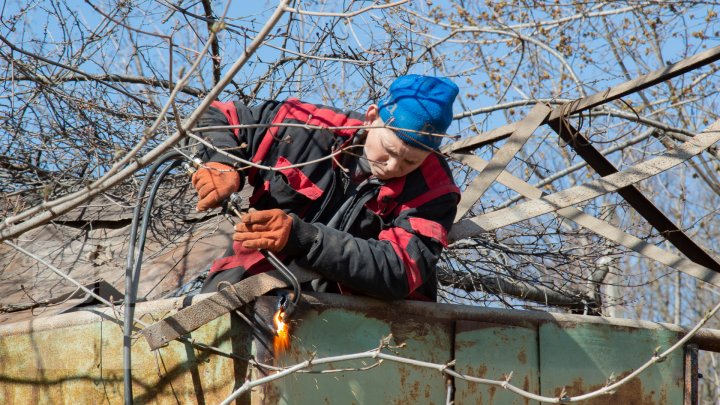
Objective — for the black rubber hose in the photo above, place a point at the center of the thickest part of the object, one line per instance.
(145, 224)
(132, 267)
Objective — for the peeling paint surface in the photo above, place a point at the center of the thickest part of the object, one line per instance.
(82, 363)
(491, 350)
(329, 332)
(77, 357)
(582, 357)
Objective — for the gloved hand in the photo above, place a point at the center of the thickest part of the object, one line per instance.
(214, 183)
(268, 230)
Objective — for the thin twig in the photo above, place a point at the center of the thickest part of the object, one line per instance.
(347, 15)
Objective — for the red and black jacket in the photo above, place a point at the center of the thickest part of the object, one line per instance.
(385, 245)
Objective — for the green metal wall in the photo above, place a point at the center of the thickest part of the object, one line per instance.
(546, 357)
(77, 358)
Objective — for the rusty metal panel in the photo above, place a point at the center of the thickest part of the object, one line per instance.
(322, 331)
(583, 357)
(491, 350)
(77, 358)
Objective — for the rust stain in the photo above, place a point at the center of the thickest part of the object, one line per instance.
(630, 393)
(503, 337)
(471, 326)
(272, 394)
(404, 374)
(491, 394)
(409, 328)
(522, 356)
(566, 325)
(526, 387)
(414, 393)
(470, 388)
(481, 371)
(403, 325)
(465, 345)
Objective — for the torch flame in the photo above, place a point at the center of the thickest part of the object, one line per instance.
(281, 342)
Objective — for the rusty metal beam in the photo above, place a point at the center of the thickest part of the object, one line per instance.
(633, 196)
(583, 104)
(578, 194)
(500, 160)
(640, 83)
(600, 227)
(706, 339)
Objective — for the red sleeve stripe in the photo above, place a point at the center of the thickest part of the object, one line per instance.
(298, 181)
(322, 117)
(428, 228)
(429, 196)
(267, 141)
(399, 239)
(230, 112)
(307, 114)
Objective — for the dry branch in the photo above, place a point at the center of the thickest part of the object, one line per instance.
(53, 209)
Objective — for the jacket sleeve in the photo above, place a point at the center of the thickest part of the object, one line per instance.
(241, 142)
(392, 266)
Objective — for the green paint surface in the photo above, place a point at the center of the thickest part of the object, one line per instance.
(582, 357)
(80, 356)
(493, 351)
(336, 332)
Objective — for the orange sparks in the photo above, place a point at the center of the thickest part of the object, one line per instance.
(281, 342)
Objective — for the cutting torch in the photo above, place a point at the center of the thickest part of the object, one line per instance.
(287, 305)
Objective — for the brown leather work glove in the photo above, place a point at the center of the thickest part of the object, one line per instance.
(214, 183)
(268, 229)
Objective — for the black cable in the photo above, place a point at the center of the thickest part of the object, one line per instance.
(132, 268)
(146, 223)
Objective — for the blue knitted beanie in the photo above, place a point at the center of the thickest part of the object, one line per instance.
(419, 103)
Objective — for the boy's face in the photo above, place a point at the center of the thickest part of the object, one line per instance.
(388, 155)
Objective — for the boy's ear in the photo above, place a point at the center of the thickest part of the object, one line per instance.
(372, 113)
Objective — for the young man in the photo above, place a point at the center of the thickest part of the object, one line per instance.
(373, 219)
